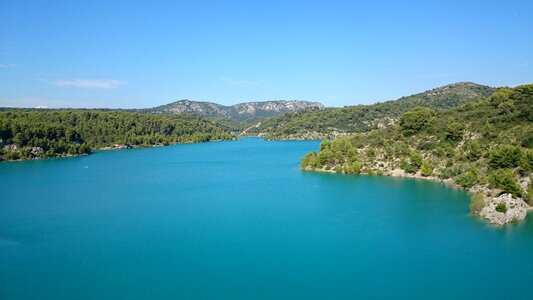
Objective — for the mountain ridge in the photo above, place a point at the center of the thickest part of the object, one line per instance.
(239, 112)
(331, 122)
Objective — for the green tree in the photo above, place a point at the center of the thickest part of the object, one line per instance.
(426, 169)
(474, 151)
(505, 180)
(501, 207)
(20, 139)
(454, 131)
(505, 156)
(467, 179)
(407, 167)
(416, 160)
(414, 120)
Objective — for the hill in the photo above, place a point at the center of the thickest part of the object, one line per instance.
(483, 146)
(334, 122)
(247, 111)
(33, 133)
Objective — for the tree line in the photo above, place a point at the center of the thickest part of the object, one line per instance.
(29, 133)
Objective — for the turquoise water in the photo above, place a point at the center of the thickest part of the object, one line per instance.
(239, 220)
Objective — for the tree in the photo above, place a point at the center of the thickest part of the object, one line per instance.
(426, 169)
(19, 139)
(416, 160)
(505, 180)
(474, 151)
(505, 156)
(454, 131)
(60, 132)
(500, 96)
(467, 179)
(309, 160)
(407, 167)
(356, 167)
(506, 106)
(414, 120)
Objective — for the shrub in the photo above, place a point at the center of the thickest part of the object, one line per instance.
(356, 167)
(454, 131)
(407, 167)
(477, 202)
(416, 160)
(526, 161)
(527, 142)
(501, 207)
(528, 197)
(401, 148)
(426, 169)
(505, 156)
(474, 151)
(440, 152)
(505, 180)
(427, 146)
(446, 173)
(467, 179)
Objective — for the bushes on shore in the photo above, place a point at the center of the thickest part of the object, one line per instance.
(480, 143)
(477, 202)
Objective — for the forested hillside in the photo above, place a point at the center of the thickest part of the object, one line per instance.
(28, 134)
(483, 146)
(334, 122)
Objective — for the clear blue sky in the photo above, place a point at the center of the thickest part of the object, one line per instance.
(132, 55)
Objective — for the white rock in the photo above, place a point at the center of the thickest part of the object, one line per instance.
(516, 209)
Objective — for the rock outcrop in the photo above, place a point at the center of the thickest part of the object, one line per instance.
(511, 209)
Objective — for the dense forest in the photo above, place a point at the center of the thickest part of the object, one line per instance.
(29, 133)
(483, 146)
(333, 122)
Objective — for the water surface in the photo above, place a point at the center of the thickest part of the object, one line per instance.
(239, 220)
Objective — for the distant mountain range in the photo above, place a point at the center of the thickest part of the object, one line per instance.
(237, 112)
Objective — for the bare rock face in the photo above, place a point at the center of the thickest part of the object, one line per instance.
(36, 151)
(116, 147)
(515, 209)
(11, 148)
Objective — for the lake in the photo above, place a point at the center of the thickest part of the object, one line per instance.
(239, 220)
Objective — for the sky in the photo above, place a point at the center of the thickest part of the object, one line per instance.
(136, 54)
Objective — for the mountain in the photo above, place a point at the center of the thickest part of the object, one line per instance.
(238, 112)
(333, 122)
(483, 146)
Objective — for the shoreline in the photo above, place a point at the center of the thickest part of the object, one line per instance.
(518, 208)
(114, 147)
